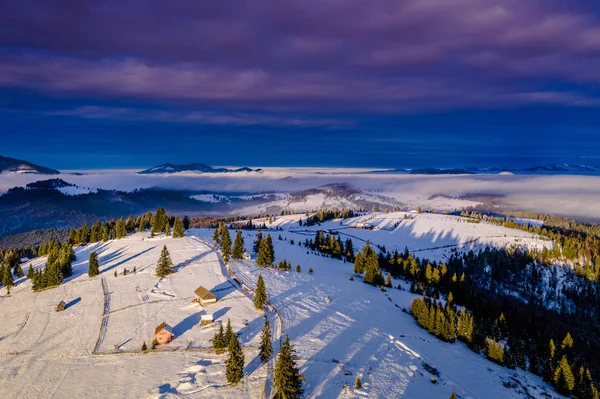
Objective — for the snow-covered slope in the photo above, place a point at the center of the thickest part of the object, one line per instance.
(427, 235)
(363, 331)
(92, 349)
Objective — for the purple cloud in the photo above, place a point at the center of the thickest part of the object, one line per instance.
(388, 56)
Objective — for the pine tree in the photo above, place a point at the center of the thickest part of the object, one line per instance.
(178, 230)
(7, 280)
(219, 340)
(234, 370)
(93, 269)
(567, 342)
(453, 395)
(563, 376)
(266, 347)
(256, 245)
(144, 347)
(266, 254)
(388, 281)
(217, 236)
(167, 227)
(372, 272)
(260, 295)
(18, 271)
(228, 333)
(359, 264)
(164, 266)
(357, 383)
(159, 220)
(30, 272)
(287, 380)
(225, 243)
(238, 246)
(120, 231)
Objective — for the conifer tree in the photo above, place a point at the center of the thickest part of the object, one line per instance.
(266, 347)
(164, 266)
(7, 280)
(94, 268)
(453, 395)
(287, 380)
(238, 246)
(120, 231)
(234, 370)
(359, 264)
(178, 230)
(30, 272)
(388, 281)
(357, 383)
(563, 376)
(225, 243)
(256, 245)
(167, 227)
(18, 271)
(217, 235)
(260, 295)
(96, 232)
(144, 347)
(104, 233)
(372, 272)
(266, 253)
(567, 342)
(219, 340)
(228, 333)
(159, 220)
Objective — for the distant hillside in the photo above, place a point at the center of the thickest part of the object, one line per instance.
(20, 166)
(193, 167)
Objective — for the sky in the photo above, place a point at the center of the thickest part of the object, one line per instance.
(387, 83)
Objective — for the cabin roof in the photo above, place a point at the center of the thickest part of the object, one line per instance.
(203, 293)
(163, 326)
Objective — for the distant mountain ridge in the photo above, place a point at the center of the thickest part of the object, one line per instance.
(192, 167)
(19, 166)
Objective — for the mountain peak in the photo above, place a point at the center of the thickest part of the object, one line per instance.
(168, 168)
(12, 165)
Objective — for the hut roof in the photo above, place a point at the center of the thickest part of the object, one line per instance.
(163, 326)
(203, 293)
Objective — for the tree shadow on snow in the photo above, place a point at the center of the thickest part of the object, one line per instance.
(220, 313)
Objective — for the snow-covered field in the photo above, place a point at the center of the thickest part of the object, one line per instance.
(363, 331)
(92, 349)
(427, 235)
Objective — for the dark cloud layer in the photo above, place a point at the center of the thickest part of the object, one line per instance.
(324, 57)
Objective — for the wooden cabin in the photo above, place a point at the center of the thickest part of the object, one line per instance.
(61, 306)
(204, 296)
(206, 319)
(164, 334)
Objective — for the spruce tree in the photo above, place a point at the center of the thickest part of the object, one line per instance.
(225, 243)
(94, 268)
(228, 333)
(178, 230)
(357, 383)
(359, 264)
(18, 271)
(164, 266)
(238, 246)
(217, 235)
(287, 380)
(266, 253)
(452, 395)
(372, 272)
(234, 370)
(266, 346)
(219, 340)
(564, 379)
(120, 231)
(7, 280)
(167, 227)
(144, 347)
(30, 272)
(256, 245)
(260, 295)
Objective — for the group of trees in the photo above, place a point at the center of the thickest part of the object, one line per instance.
(58, 266)
(323, 215)
(511, 331)
(159, 222)
(331, 245)
(367, 262)
(222, 239)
